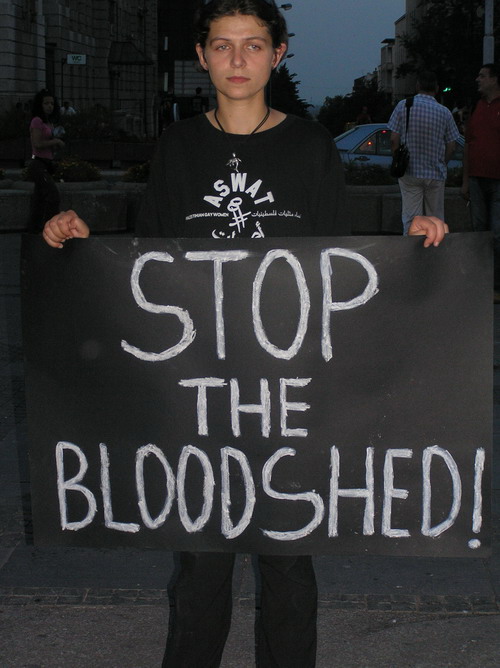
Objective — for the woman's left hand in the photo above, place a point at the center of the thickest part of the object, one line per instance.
(433, 228)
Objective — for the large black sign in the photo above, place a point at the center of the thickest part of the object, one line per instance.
(276, 396)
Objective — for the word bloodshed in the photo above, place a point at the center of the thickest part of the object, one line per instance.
(281, 397)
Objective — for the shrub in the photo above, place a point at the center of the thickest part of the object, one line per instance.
(137, 173)
(72, 169)
(367, 175)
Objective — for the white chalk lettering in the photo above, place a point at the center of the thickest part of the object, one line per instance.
(142, 453)
(201, 403)
(196, 489)
(109, 522)
(390, 492)
(357, 493)
(310, 497)
(329, 306)
(287, 406)
(305, 304)
(189, 332)
(477, 517)
(72, 485)
(429, 453)
(229, 530)
(218, 258)
(264, 408)
(208, 489)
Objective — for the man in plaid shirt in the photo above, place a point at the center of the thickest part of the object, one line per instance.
(430, 139)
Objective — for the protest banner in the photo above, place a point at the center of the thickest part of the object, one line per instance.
(288, 396)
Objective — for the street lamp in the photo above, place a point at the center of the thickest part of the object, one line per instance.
(286, 6)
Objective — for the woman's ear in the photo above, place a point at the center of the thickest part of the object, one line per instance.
(279, 53)
(201, 56)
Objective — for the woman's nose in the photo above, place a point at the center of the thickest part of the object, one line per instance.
(238, 59)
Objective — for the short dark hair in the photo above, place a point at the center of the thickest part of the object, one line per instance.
(494, 70)
(427, 81)
(37, 107)
(264, 11)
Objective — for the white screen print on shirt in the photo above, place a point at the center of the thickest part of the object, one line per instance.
(240, 207)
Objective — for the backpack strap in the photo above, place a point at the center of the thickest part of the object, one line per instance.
(409, 103)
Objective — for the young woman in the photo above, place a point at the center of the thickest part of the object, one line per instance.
(46, 200)
(242, 169)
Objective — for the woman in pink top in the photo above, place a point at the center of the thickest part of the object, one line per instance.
(45, 202)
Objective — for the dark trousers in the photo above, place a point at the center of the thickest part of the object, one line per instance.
(45, 201)
(285, 626)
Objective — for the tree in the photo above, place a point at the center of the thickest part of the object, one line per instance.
(284, 93)
(337, 111)
(448, 40)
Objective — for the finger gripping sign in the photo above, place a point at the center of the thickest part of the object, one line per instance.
(287, 396)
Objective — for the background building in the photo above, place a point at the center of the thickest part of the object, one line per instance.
(92, 52)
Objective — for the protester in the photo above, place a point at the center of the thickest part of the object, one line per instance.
(289, 165)
(481, 174)
(430, 138)
(45, 201)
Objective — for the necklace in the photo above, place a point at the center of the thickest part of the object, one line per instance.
(234, 162)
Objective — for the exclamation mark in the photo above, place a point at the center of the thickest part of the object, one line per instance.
(477, 513)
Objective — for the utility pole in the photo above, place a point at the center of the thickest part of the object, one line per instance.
(489, 39)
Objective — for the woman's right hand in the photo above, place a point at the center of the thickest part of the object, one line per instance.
(63, 226)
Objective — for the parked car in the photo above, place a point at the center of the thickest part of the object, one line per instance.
(370, 144)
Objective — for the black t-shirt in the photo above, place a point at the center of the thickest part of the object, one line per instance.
(286, 181)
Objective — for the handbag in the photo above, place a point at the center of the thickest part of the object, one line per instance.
(401, 157)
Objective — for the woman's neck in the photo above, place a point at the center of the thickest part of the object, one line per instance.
(244, 120)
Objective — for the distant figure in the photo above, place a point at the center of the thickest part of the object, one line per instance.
(198, 103)
(363, 117)
(45, 201)
(430, 137)
(67, 108)
(481, 177)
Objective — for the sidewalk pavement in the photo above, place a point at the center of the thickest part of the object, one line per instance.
(77, 607)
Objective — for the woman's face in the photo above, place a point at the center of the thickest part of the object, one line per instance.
(239, 56)
(48, 105)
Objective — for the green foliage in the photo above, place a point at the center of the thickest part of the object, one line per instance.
(448, 40)
(137, 173)
(367, 175)
(14, 123)
(284, 93)
(72, 169)
(338, 111)
(2, 174)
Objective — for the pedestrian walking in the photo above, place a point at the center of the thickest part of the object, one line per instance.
(45, 201)
(429, 132)
(288, 165)
(481, 174)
